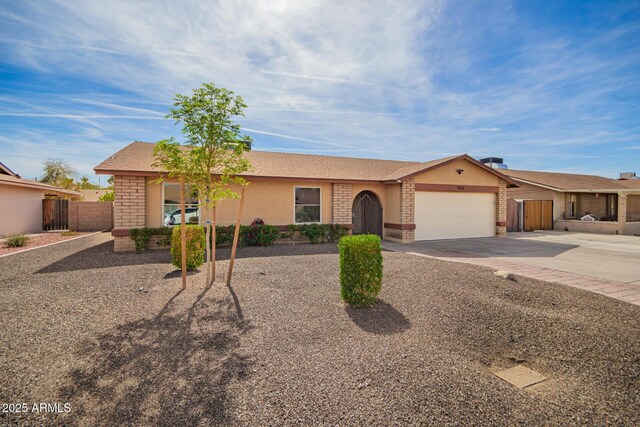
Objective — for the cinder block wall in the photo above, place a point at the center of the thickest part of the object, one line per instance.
(90, 216)
(128, 208)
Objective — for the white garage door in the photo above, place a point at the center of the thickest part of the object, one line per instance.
(441, 215)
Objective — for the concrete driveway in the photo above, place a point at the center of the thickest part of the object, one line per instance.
(609, 257)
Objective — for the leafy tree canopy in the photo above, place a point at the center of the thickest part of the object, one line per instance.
(58, 172)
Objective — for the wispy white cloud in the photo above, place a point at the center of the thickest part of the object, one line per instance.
(365, 79)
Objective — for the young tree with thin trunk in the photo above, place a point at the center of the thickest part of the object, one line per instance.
(216, 151)
(171, 158)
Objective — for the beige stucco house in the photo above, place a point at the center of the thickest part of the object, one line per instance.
(21, 202)
(455, 197)
(613, 204)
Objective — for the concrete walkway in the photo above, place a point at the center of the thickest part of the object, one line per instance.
(623, 291)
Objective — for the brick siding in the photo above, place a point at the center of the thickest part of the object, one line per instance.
(408, 208)
(341, 203)
(501, 207)
(128, 208)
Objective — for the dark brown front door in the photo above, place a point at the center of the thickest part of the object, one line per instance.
(367, 214)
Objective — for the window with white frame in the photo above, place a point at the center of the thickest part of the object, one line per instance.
(307, 205)
(171, 214)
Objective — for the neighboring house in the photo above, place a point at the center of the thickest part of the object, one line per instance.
(610, 206)
(456, 197)
(21, 202)
(93, 195)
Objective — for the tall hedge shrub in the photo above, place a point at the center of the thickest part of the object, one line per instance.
(196, 243)
(360, 269)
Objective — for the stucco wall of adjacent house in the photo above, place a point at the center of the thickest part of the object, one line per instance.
(472, 175)
(21, 210)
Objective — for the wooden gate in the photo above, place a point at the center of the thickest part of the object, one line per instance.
(55, 214)
(538, 215)
(513, 216)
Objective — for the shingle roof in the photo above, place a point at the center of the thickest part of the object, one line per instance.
(137, 157)
(48, 189)
(568, 181)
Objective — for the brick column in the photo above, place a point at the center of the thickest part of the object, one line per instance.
(129, 208)
(408, 208)
(622, 212)
(341, 203)
(501, 209)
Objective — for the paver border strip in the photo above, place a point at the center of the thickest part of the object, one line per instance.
(578, 281)
(51, 244)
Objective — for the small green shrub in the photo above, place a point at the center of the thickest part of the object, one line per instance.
(337, 232)
(260, 235)
(17, 240)
(106, 197)
(316, 233)
(360, 269)
(293, 230)
(141, 237)
(196, 242)
(68, 233)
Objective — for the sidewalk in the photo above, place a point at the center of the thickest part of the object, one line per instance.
(627, 292)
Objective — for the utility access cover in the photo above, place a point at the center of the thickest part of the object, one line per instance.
(521, 376)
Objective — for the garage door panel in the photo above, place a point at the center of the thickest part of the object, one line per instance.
(443, 215)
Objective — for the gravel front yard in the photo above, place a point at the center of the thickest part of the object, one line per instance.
(281, 348)
(40, 239)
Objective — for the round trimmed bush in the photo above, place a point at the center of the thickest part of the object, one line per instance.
(360, 269)
(196, 245)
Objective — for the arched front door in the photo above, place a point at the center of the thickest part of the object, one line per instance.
(367, 214)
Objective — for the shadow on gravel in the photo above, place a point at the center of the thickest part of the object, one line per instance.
(174, 369)
(380, 319)
(102, 256)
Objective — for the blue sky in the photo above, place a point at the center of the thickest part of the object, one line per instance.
(552, 86)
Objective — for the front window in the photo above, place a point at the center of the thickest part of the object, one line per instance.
(307, 205)
(171, 205)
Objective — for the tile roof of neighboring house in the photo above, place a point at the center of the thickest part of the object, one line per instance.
(631, 183)
(567, 181)
(27, 183)
(137, 157)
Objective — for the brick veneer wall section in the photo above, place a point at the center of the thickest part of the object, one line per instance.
(501, 209)
(128, 208)
(408, 208)
(341, 203)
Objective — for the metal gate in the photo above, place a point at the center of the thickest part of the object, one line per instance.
(367, 214)
(55, 214)
(538, 215)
